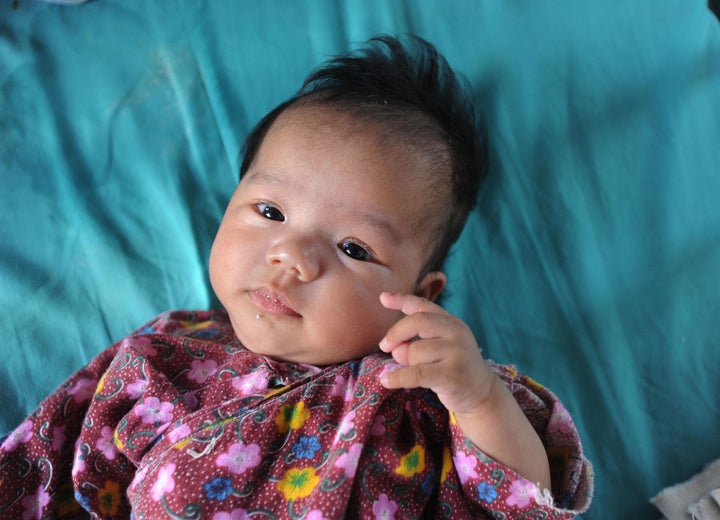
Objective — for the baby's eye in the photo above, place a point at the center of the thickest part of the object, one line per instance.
(270, 212)
(355, 251)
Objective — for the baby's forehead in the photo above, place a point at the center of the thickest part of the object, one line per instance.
(396, 131)
(420, 158)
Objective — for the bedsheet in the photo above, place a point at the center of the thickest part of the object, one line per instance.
(591, 261)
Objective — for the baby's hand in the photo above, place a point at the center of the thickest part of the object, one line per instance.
(438, 351)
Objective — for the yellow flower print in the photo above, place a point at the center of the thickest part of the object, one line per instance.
(276, 391)
(116, 441)
(189, 325)
(101, 384)
(109, 498)
(447, 464)
(511, 371)
(298, 483)
(412, 463)
(181, 445)
(534, 385)
(292, 416)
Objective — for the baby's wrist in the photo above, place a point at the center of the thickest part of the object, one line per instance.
(485, 399)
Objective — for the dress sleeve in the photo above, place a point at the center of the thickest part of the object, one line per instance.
(503, 492)
(140, 397)
(39, 459)
(36, 459)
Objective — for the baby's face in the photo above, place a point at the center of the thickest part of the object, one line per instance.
(324, 220)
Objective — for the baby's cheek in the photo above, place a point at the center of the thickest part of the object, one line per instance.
(216, 263)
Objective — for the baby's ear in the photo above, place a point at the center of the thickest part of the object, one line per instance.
(431, 285)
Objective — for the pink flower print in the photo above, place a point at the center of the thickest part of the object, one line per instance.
(384, 508)
(378, 426)
(316, 514)
(411, 407)
(79, 460)
(236, 514)
(347, 423)
(106, 443)
(344, 387)
(200, 371)
(560, 422)
(34, 504)
(136, 388)
(152, 411)
(58, 437)
(388, 367)
(20, 435)
(191, 399)
(239, 458)
(349, 461)
(139, 477)
(165, 482)
(252, 383)
(465, 466)
(178, 433)
(141, 345)
(521, 492)
(83, 389)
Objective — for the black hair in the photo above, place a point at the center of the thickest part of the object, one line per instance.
(412, 91)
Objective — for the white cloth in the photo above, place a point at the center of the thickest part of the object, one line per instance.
(695, 499)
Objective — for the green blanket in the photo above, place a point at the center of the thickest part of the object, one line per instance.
(592, 261)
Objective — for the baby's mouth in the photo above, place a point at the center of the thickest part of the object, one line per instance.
(272, 302)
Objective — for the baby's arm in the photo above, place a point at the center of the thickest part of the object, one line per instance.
(438, 351)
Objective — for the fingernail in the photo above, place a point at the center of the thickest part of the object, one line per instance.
(383, 344)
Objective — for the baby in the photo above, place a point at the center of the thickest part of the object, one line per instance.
(332, 385)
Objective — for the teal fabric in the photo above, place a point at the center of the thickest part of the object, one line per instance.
(591, 262)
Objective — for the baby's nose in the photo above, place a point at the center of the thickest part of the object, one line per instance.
(299, 255)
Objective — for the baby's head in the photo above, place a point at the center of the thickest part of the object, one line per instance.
(413, 98)
(357, 185)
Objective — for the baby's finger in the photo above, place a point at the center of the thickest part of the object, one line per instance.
(409, 303)
(415, 327)
(420, 352)
(425, 375)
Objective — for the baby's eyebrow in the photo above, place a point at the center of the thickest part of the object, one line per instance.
(263, 177)
(381, 224)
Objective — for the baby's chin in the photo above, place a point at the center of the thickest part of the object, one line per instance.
(320, 357)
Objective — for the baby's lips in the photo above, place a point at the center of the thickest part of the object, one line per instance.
(272, 302)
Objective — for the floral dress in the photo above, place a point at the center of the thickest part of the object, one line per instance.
(179, 420)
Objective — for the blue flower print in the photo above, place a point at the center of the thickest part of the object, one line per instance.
(83, 501)
(305, 447)
(206, 334)
(218, 488)
(428, 483)
(486, 492)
